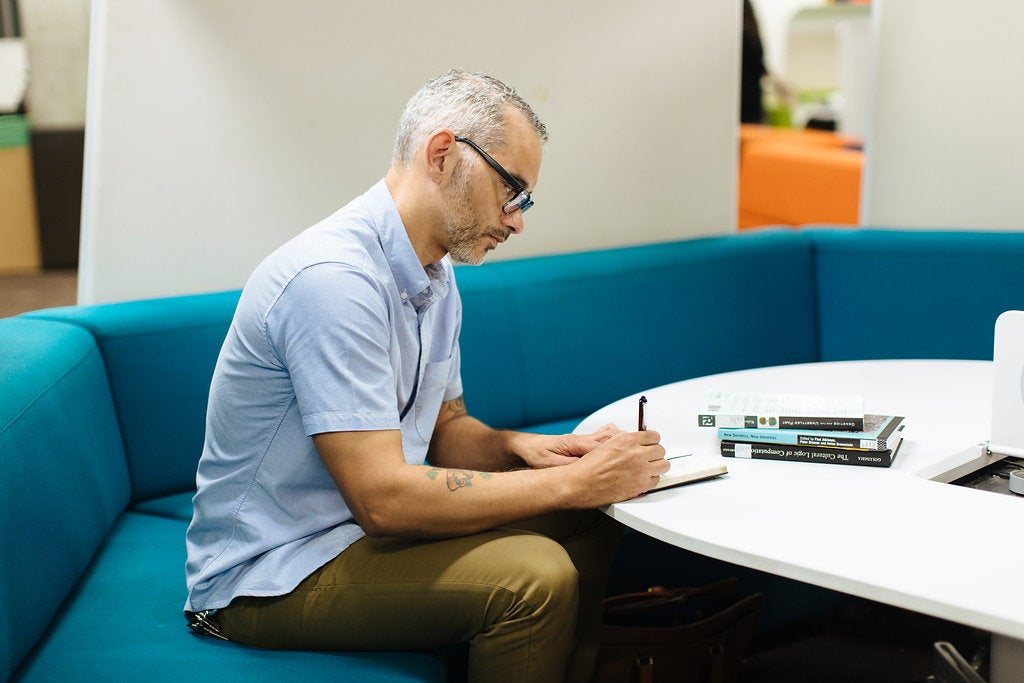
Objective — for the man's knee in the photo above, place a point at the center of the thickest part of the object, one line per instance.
(538, 571)
(552, 567)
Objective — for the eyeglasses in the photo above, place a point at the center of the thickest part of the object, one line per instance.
(521, 200)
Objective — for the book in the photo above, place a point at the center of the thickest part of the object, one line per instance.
(733, 410)
(836, 456)
(880, 433)
(685, 468)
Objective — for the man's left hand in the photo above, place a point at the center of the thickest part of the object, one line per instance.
(542, 450)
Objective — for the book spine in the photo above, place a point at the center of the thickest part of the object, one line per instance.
(828, 424)
(793, 438)
(841, 442)
(724, 421)
(837, 456)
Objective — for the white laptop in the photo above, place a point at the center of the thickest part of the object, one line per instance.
(1008, 386)
(1007, 427)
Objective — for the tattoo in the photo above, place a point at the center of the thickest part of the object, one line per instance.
(457, 479)
(456, 406)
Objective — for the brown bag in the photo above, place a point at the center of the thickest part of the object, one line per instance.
(695, 634)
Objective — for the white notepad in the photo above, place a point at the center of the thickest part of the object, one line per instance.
(685, 468)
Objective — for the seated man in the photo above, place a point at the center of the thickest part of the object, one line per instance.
(346, 499)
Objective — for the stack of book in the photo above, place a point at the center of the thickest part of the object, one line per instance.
(802, 428)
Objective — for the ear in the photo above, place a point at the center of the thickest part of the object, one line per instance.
(440, 154)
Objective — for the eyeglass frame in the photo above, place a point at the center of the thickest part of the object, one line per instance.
(522, 200)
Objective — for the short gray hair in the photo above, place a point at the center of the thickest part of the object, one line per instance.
(471, 104)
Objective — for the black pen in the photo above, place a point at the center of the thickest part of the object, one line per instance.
(640, 424)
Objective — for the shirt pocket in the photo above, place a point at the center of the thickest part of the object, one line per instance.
(430, 395)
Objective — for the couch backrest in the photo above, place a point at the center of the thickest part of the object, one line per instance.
(543, 339)
(160, 356)
(63, 477)
(555, 337)
(914, 293)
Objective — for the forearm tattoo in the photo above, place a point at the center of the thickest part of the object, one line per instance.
(457, 479)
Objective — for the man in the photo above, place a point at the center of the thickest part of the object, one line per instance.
(346, 499)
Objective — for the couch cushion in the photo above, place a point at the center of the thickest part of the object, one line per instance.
(174, 505)
(914, 293)
(160, 356)
(556, 427)
(555, 337)
(124, 622)
(64, 478)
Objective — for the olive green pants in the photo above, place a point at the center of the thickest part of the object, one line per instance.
(527, 599)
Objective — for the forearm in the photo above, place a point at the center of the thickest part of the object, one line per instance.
(465, 442)
(453, 495)
(390, 497)
(464, 500)
(442, 502)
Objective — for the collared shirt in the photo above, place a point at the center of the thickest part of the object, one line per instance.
(340, 329)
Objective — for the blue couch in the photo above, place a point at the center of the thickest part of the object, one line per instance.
(102, 409)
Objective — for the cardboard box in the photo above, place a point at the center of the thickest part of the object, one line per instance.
(19, 231)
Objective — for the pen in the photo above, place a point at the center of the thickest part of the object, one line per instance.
(641, 425)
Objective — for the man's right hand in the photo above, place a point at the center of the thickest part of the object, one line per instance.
(623, 467)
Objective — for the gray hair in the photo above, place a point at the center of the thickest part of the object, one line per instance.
(471, 104)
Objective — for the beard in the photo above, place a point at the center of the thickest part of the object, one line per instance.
(461, 225)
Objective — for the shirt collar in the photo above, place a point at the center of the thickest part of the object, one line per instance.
(420, 286)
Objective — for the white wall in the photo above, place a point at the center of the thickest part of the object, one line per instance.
(57, 36)
(773, 20)
(13, 74)
(217, 129)
(945, 144)
(814, 47)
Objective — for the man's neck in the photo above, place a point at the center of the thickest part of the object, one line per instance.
(418, 216)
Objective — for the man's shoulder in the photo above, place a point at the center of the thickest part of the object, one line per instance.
(344, 238)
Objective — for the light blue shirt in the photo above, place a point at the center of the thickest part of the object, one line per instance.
(340, 329)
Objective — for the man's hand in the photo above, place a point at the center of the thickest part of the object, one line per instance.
(621, 467)
(541, 450)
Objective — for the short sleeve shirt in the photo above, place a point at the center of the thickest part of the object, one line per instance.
(340, 329)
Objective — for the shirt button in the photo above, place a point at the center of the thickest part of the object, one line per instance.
(405, 296)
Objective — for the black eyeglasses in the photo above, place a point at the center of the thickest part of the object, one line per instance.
(521, 200)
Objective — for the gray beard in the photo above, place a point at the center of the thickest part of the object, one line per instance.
(463, 235)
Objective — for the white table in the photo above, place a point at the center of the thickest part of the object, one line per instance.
(895, 535)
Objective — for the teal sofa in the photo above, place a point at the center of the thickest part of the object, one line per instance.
(102, 410)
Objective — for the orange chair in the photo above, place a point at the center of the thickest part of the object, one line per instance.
(795, 177)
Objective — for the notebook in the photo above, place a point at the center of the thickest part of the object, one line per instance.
(685, 468)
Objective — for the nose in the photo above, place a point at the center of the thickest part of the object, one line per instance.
(513, 221)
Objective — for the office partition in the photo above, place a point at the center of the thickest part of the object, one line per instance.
(217, 129)
(944, 144)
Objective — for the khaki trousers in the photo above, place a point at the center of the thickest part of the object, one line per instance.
(527, 599)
